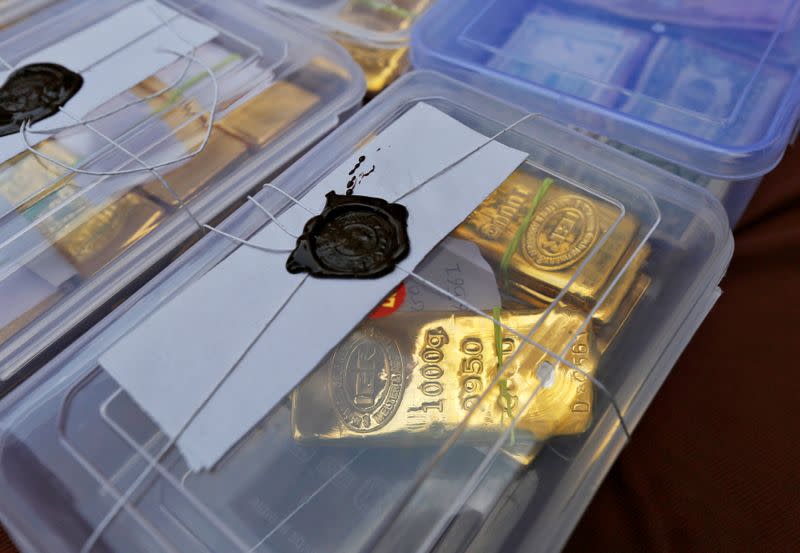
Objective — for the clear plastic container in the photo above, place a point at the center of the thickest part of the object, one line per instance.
(375, 32)
(708, 90)
(457, 473)
(72, 244)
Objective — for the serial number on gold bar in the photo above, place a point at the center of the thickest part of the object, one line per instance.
(411, 379)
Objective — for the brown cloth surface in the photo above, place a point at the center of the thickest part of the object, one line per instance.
(714, 465)
(5, 544)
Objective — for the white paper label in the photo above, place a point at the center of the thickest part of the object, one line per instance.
(458, 267)
(174, 360)
(112, 56)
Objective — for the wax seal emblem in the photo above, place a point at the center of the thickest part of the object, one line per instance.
(35, 92)
(353, 237)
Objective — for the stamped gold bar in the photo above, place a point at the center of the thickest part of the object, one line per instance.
(564, 228)
(412, 379)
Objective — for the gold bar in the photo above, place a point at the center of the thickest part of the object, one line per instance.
(254, 123)
(193, 175)
(89, 235)
(187, 121)
(262, 118)
(381, 65)
(525, 451)
(565, 227)
(98, 235)
(412, 379)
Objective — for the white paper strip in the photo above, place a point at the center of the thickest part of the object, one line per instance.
(171, 363)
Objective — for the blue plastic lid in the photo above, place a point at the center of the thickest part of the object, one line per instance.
(709, 84)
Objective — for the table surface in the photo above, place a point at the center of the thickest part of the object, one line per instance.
(713, 465)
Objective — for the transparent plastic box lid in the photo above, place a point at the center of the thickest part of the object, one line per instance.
(375, 32)
(384, 23)
(96, 209)
(439, 422)
(712, 86)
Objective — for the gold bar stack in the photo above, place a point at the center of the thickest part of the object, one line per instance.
(412, 379)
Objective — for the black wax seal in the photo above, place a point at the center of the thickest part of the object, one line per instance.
(353, 237)
(35, 92)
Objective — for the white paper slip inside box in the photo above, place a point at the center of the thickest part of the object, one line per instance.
(112, 56)
(174, 360)
(458, 267)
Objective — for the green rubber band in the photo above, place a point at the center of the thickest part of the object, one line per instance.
(497, 312)
(505, 263)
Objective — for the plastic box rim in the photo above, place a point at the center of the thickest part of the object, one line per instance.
(11, 408)
(316, 17)
(737, 163)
